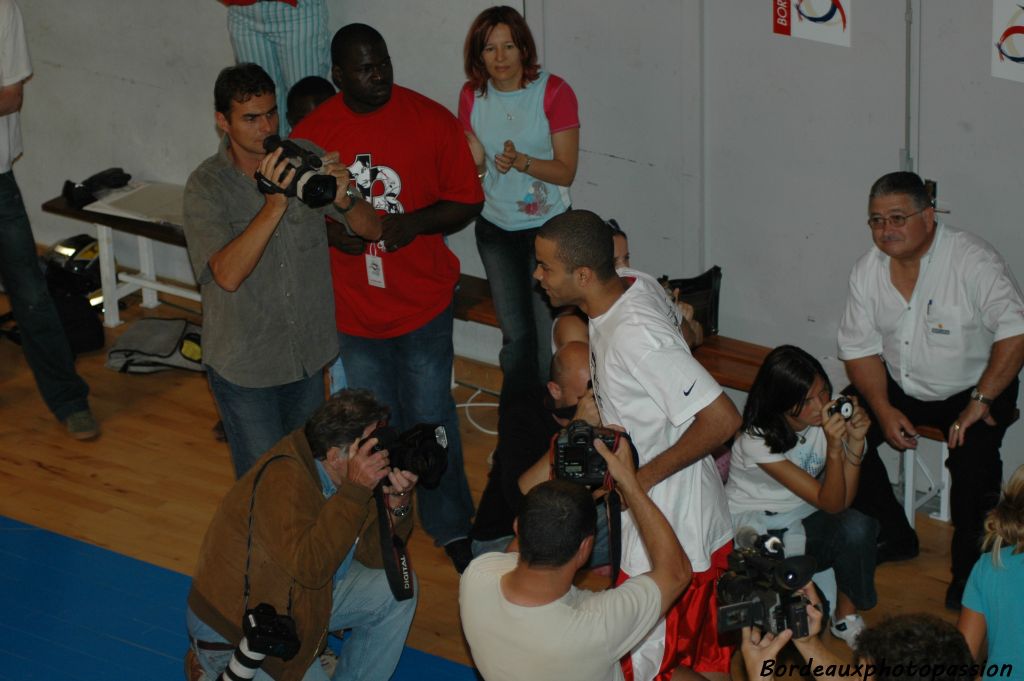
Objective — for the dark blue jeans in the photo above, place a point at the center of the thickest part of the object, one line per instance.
(412, 375)
(256, 418)
(523, 311)
(42, 336)
(845, 542)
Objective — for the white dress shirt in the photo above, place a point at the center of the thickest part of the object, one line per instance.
(938, 343)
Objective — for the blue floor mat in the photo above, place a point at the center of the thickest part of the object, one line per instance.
(76, 612)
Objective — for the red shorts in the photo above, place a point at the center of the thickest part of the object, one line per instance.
(691, 626)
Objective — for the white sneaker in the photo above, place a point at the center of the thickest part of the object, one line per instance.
(329, 661)
(848, 628)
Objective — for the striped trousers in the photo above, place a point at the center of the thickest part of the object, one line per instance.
(290, 43)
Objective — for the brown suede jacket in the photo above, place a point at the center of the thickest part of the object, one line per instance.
(299, 540)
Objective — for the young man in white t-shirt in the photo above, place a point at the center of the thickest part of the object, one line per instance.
(522, 616)
(645, 378)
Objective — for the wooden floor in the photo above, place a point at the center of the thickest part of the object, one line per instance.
(148, 486)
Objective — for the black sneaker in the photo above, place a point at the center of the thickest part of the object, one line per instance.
(955, 594)
(896, 550)
(460, 551)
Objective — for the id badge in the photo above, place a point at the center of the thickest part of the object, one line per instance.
(375, 270)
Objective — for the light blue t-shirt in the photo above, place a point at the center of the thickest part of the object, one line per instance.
(997, 593)
(515, 200)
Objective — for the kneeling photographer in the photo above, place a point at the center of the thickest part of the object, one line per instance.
(300, 534)
(521, 614)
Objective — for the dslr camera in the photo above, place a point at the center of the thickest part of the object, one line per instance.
(264, 633)
(423, 450)
(576, 459)
(843, 406)
(310, 184)
(759, 589)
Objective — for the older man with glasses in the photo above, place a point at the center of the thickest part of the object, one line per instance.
(933, 334)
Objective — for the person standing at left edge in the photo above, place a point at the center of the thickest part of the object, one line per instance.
(409, 158)
(46, 347)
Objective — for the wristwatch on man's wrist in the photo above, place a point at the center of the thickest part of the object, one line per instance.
(978, 397)
(353, 195)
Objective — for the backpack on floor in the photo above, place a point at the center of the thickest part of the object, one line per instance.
(153, 344)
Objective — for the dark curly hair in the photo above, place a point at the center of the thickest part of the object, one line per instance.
(341, 420)
(918, 639)
(554, 517)
(240, 83)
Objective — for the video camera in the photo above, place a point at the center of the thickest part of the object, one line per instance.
(575, 458)
(759, 589)
(310, 183)
(423, 450)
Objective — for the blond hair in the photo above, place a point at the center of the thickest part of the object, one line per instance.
(1004, 525)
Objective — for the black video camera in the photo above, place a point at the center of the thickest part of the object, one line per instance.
(310, 184)
(843, 406)
(576, 459)
(423, 450)
(759, 589)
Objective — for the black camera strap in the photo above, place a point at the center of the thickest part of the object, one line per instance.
(613, 502)
(248, 543)
(392, 550)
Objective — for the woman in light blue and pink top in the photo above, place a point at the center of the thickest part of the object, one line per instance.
(522, 125)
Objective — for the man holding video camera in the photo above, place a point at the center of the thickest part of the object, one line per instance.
(260, 257)
(300, 533)
(521, 614)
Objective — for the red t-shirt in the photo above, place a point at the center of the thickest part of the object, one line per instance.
(406, 155)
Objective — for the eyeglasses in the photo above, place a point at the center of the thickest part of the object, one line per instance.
(879, 221)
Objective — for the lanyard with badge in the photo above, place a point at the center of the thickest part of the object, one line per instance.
(375, 264)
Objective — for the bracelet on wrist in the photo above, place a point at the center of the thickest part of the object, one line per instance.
(526, 168)
(401, 511)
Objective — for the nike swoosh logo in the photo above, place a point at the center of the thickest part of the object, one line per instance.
(686, 393)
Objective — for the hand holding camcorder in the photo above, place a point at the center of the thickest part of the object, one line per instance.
(310, 182)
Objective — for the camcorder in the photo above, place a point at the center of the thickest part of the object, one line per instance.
(310, 184)
(576, 459)
(423, 450)
(759, 588)
(265, 634)
(843, 406)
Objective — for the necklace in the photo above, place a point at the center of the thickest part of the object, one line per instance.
(498, 96)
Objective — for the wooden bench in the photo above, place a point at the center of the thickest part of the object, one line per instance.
(145, 279)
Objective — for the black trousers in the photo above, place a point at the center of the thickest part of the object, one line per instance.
(975, 469)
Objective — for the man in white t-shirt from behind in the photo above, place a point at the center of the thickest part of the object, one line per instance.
(521, 614)
(645, 378)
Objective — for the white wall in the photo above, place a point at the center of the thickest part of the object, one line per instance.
(712, 140)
